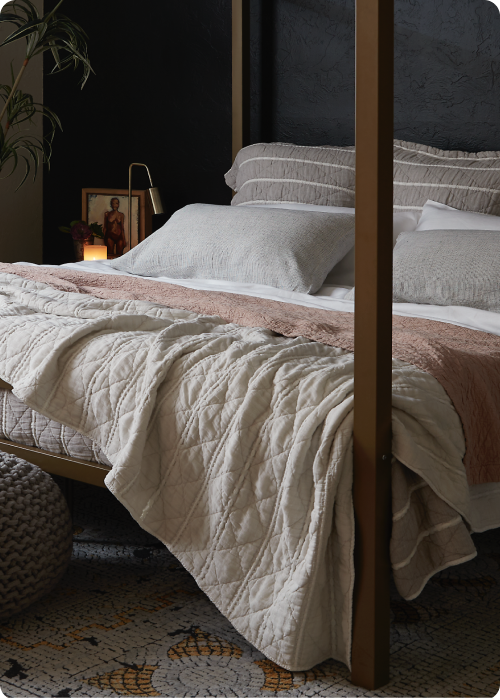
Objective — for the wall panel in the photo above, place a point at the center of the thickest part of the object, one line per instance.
(21, 210)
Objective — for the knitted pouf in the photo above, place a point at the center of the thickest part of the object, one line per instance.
(35, 534)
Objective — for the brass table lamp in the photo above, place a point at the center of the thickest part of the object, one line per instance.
(154, 193)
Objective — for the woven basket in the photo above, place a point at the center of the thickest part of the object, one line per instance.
(36, 535)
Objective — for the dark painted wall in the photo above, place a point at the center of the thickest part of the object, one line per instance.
(160, 96)
(162, 93)
(447, 72)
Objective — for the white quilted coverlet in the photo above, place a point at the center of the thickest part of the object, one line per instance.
(232, 445)
(23, 426)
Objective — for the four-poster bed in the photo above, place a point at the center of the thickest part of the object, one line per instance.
(372, 327)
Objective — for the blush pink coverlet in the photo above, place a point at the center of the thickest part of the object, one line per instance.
(465, 362)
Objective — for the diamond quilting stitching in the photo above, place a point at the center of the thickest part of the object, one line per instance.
(24, 426)
(208, 435)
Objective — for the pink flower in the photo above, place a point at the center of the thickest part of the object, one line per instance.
(80, 231)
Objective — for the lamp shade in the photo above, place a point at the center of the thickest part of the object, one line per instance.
(154, 193)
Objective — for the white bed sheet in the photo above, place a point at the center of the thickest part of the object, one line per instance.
(485, 498)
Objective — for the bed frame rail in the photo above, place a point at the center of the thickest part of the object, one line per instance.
(59, 465)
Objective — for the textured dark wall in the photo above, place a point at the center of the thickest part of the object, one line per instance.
(447, 70)
(162, 93)
(161, 96)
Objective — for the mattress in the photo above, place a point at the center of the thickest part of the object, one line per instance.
(22, 425)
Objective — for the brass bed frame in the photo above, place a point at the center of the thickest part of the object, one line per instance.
(373, 325)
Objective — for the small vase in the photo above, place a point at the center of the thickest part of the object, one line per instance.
(78, 247)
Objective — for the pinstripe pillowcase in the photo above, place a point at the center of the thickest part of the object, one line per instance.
(293, 250)
(282, 172)
(448, 268)
(469, 181)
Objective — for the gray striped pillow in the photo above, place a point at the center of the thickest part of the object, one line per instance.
(282, 172)
(469, 181)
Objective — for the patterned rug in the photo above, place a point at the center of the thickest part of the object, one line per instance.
(128, 620)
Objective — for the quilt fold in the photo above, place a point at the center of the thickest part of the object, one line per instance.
(232, 445)
(464, 361)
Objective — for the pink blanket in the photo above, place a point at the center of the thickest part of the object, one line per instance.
(465, 362)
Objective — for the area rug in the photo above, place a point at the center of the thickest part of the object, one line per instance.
(128, 621)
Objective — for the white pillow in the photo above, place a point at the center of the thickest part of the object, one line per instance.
(441, 217)
(404, 221)
(342, 274)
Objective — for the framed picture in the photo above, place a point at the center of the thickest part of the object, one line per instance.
(110, 209)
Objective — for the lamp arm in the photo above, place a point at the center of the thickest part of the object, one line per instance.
(143, 165)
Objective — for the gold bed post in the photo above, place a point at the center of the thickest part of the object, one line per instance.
(373, 317)
(373, 339)
(241, 74)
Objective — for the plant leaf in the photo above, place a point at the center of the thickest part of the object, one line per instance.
(23, 31)
(67, 42)
(14, 19)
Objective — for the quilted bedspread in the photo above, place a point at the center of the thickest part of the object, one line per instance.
(23, 426)
(232, 445)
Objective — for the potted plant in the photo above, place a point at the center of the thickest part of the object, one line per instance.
(97, 231)
(82, 234)
(66, 40)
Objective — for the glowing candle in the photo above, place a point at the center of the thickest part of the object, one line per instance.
(95, 252)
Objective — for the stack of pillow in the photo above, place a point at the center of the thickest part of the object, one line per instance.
(291, 225)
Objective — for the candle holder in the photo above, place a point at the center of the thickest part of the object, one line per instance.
(95, 252)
